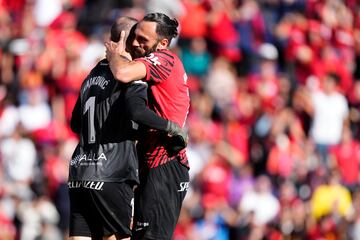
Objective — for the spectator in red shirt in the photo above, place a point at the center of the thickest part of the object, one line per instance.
(345, 156)
(224, 40)
(193, 22)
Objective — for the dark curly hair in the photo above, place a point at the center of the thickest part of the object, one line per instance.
(166, 27)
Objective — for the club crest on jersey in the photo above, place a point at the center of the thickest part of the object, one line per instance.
(153, 59)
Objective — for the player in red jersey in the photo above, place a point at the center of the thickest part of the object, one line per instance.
(164, 177)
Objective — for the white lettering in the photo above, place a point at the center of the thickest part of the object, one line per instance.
(102, 156)
(83, 158)
(99, 81)
(90, 159)
(99, 185)
(184, 186)
(86, 184)
(154, 60)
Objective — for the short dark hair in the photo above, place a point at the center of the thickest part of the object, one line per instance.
(122, 24)
(334, 76)
(166, 27)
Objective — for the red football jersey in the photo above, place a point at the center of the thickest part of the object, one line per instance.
(169, 98)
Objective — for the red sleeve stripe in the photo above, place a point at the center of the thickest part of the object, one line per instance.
(157, 75)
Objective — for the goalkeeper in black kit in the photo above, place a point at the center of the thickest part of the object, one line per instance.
(104, 167)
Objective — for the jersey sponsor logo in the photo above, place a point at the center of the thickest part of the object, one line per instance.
(86, 184)
(88, 159)
(141, 225)
(184, 186)
(99, 81)
(153, 59)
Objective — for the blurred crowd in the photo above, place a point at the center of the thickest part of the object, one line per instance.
(274, 123)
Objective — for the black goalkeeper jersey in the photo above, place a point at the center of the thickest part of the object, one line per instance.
(102, 117)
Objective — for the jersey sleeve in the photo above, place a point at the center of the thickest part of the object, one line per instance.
(136, 107)
(158, 65)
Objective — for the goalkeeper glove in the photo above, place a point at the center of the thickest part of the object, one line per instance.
(179, 138)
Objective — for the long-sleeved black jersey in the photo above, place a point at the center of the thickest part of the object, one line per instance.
(103, 117)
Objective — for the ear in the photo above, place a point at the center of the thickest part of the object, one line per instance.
(163, 44)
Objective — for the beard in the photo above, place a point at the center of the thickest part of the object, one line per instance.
(139, 52)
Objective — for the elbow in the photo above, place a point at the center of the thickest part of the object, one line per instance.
(135, 115)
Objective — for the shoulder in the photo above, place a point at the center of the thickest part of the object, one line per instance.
(136, 85)
(99, 67)
(166, 54)
(102, 63)
(136, 88)
(160, 57)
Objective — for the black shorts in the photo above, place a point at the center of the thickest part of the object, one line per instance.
(104, 210)
(158, 200)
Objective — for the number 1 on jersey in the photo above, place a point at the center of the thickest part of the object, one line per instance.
(90, 105)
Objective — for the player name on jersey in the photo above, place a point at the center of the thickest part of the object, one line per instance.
(97, 80)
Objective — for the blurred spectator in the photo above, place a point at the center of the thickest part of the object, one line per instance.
(330, 62)
(93, 53)
(7, 229)
(215, 183)
(331, 198)
(330, 113)
(19, 160)
(201, 126)
(34, 112)
(39, 219)
(265, 83)
(346, 159)
(242, 180)
(261, 202)
(249, 23)
(9, 115)
(196, 58)
(46, 12)
(193, 21)
(355, 232)
(283, 157)
(173, 8)
(184, 226)
(211, 226)
(221, 82)
(354, 112)
(222, 35)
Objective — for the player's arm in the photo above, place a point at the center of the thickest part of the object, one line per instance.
(126, 71)
(123, 70)
(136, 106)
(75, 122)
